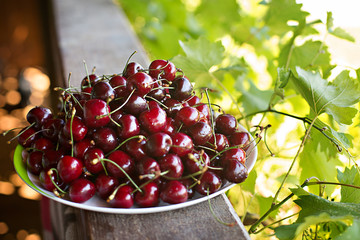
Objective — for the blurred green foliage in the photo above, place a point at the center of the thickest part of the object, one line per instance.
(271, 65)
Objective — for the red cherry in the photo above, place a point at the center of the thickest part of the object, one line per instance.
(103, 90)
(162, 69)
(75, 127)
(241, 139)
(140, 81)
(81, 190)
(209, 183)
(153, 120)
(105, 185)
(27, 136)
(69, 168)
(90, 156)
(34, 162)
(106, 139)
(174, 192)
(123, 160)
(149, 197)
(235, 171)
(225, 124)
(122, 197)
(129, 126)
(131, 69)
(181, 88)
(119, 85)
(195, 162)
(173, 164)
(96, 113)
(182, 144)
(38, 116)
(158, 144)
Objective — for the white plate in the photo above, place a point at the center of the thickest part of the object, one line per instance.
(99, 205)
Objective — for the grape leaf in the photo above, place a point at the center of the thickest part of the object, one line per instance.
(352, 232)
(323, 96)
(352, 177)
(337, 32)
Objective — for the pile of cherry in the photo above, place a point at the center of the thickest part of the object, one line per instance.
(134, 138)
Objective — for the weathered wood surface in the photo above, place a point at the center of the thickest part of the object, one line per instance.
(98, 32)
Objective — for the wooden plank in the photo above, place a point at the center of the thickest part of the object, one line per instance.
(98, 32)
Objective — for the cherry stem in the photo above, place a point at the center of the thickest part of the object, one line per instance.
(212, 115)
(117, 109)
(102, 163)
(71, 131)
(154, 176)
(221, 152)
(213, 212)
(70, 93)
(123, 171)
(274, 223)
(127, 61)
(141, 137)
(87, 73)
(6, 132)
(154, 99)
(52, 180)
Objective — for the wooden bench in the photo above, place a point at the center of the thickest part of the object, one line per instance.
(98, 32)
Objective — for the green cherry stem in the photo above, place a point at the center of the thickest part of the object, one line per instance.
(51, 170)
(141, 137)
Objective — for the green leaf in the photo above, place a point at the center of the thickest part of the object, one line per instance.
(249, 184)
(352, 232)
(352, 177)
(337, 32)
(323, 96)
(281, 81)
(252, 98)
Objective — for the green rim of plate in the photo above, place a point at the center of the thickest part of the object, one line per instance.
(21, 170)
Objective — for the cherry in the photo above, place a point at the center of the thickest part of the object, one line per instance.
(180, 88)
(196, 162)
(149, 197)
(129, 126)
(235, 171)
(42, 144)
(182, 144)
(52, 128)
(34, 162)
(106, 139)
(173, 106)
(103, 90)
(27, 136)
(174, 192)
(162, 69)
(169, 126)
(96, 113)
(131, 69)
(47, 179)
(209, 183)
(89, 81)
(193, 100)
(148, 169)
(220, 144)
(140, 81)
(81, 190)
(153, 120)
(38, 116)
(187, 116)
(69, 168)
(94, 154)
(136, 148)
(135, 105)
(158, 144)
(82, 146)
(225, 124)
(233, 153)
(51, 157)
(105, 185)
(241, 139)
(187, 182)
(204, 111)
(76, 127)
(173, 164)
(123, 160)
(118, 83)
(200, 132)
(122, 197)
(157, 92)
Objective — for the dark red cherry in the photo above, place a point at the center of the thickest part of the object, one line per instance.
(173, 164)
(148, 169)
(135, 105)
(140, 81)
(103, 90)
(204, 111)
(233, 153)
(234, 171)
(200, 132)
(209, 183)
(47, 179)
(188, 183)
(38, 116)
(105, 185)
(76, 127)
(158, 144)
(69, 168)
(157, 92)
(122, 160)
(82, 146)
(122, 197)
(149, 197)
(118, 83)
(89, 81)
(136, 148)
(129, 126)
(42, 144)
(219, 143)
(51, 157)
(96, 113)
(106, 139)
(131, 69)
(94, 154)
(193, 100)
(225, 124)
(81, 190)
(195, 162)
(182, 144)
(52, 128)
(34, 162)
(27, 136)
(173, 106)
(181, 88)
(162, 69)
(187, 116)
(169, 126)
(241, 139)
(174, 192)
(153, 120)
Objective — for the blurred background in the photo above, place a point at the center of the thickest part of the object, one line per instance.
(26, 70)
